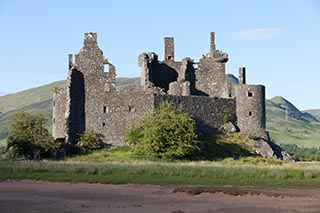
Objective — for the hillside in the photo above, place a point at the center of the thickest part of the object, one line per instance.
(38, 99)
(286, 123)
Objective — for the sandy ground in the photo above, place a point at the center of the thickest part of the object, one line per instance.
(32, 196)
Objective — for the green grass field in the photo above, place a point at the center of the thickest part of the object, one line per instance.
(122, 166)
(187, 173)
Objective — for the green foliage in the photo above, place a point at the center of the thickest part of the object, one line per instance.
(302, 153)
(89, 141)
(253, 137)
(166, 133)
(219, 146)
(226, 116)
(28, 136)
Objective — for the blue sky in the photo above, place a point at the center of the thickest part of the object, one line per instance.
(277, 41)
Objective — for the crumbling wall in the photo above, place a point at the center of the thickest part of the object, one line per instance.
(120, 109)
(174, 77)
(75, 104)
(58, 114)
(211, 77)
(207, 112)
(89, 82)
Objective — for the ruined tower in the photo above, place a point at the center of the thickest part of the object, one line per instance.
(250, 104)
(211, 73)
(87, 81)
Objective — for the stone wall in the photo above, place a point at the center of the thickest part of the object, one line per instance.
(58, 114)
(88, 84)
(121, 109)
(75, 114)
(207, 112)
(211, 78)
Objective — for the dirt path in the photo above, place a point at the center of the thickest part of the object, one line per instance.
(30, 196)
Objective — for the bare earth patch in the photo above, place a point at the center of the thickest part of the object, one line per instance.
(33, 196)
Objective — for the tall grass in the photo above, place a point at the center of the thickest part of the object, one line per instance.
(147, 172)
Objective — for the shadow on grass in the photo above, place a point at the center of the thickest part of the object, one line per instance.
(216, 147)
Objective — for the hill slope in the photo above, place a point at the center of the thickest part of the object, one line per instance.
(288, 125)
(38, 99)
(314, 112)
(285, 122)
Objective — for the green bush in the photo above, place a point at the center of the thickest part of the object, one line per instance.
(28, 136)
(302, 153)
(89, 141)
(166, 133)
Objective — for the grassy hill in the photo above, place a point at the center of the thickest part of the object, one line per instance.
(314, 112)
(286, 123)
(37, 99)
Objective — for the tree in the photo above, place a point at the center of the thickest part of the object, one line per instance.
(166, 133)
(28, 136)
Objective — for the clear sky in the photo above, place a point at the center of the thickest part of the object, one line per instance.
(276, 40)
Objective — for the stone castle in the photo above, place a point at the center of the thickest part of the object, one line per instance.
(91, 101)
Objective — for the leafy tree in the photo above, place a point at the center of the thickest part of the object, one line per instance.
(28, 136)
(89, 141)
(166, 133)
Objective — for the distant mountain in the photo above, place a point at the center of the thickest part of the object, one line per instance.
(234, 80)
(292, 111)
(285, 122)
(314, 112)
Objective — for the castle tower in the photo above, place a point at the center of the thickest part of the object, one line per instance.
(84, 98)
(250, 104)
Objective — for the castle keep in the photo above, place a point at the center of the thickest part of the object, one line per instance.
(91, 101)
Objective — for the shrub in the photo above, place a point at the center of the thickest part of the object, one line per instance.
(28, 136)
(166, 133)
(89, 141)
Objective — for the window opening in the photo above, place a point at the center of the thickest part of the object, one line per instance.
(105, 109)
(131, 109)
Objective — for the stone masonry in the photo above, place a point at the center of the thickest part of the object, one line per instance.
(91, 102)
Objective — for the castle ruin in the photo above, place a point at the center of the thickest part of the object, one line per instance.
(91, 101)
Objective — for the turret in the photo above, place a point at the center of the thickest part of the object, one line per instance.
(250, 102)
